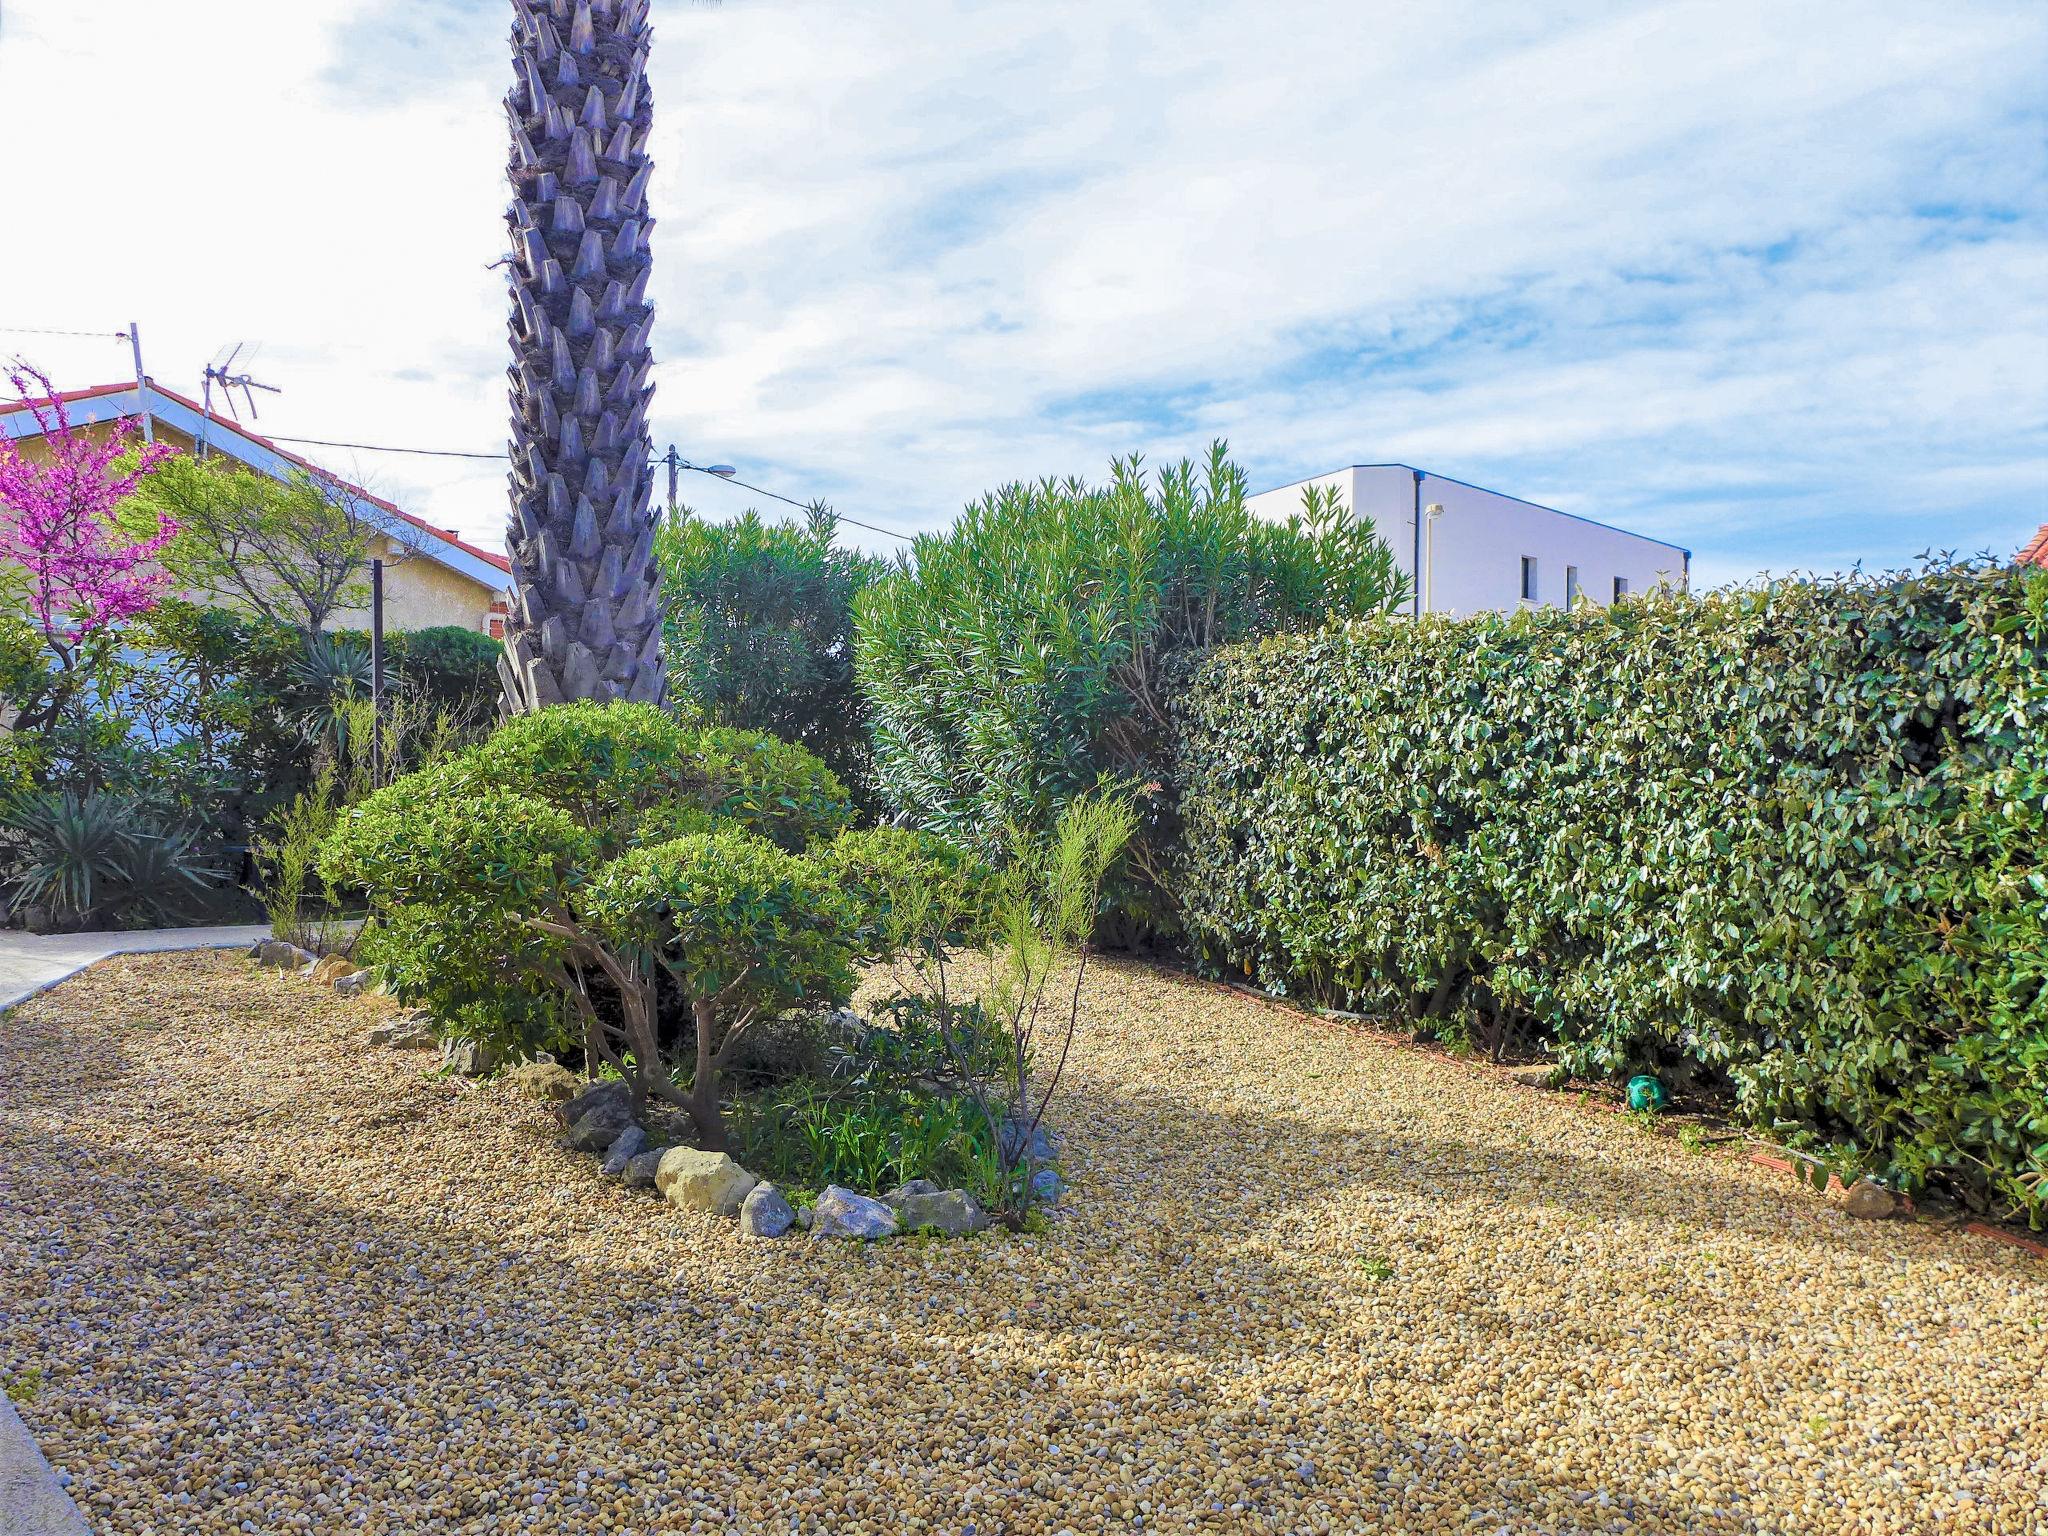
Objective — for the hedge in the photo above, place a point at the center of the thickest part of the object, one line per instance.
(1784, 842)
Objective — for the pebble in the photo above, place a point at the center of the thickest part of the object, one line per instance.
(1306, 1279)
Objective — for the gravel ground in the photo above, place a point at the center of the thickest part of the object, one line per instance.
(1307, 1280)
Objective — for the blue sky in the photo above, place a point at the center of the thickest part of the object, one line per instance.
(1769, 281)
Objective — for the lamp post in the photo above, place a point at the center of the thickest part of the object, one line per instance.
(1430, 514)
(376, 674)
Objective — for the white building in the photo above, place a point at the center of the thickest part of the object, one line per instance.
(1485, 550)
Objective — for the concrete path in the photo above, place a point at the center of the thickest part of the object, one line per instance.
(29, 962)
(31, 1503)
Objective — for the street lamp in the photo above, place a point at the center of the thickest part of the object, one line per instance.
(1430, 514)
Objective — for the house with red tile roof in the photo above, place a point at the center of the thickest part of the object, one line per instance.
(2036, 550)
(432, 576)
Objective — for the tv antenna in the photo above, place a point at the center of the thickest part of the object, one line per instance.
(221, 371)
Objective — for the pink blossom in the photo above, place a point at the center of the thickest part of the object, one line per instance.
(57, 521)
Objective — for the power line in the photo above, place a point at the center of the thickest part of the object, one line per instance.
(431, 453)
(38, 330)
(453, 453)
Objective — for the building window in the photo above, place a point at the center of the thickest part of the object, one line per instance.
(1528, 578)
(1571, 586)
(1620, 588)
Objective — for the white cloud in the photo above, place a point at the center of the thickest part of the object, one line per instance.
(1771, 281)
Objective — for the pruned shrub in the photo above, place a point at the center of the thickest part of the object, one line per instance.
(1785, 841)
(595, 872)
(1018, 659)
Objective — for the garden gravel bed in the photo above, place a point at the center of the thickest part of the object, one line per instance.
(276, 1279)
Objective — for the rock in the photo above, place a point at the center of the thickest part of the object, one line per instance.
(355, 982)
(952, 1212)
(577, 1105)
(1038, 1148)
(764, 1213)
(407, 1033)
(329, 969)
(804, 1217)
(1047, 1186)
(277, 955)
(641, 1171)
(842, 1213)
(601, 1125)
(1871, 1201)
(469, 1058)
(543, 1080)
(631, 1142)
(1540, 1074)
(703, 1181)
(895, 1198)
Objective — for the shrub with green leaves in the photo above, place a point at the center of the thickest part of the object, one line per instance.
(759, 630)
(1018, 659)
(595, 870)
(1787, 841)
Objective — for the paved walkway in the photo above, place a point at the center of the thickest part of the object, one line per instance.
(30, 962)
(31, 1503)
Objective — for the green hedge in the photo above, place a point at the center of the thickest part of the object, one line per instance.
(1787, 841)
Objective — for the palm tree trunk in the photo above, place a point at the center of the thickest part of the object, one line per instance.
(585, 617)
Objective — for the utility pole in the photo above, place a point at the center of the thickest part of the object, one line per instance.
(674, 461)
(376, 674)
(141, 382)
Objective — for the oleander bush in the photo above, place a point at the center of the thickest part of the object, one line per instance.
(1017, 660)
(1789, 842)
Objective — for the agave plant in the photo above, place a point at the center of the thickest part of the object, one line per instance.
(98, 855)
(585, 617)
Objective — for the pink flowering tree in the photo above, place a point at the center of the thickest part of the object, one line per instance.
(80, 567)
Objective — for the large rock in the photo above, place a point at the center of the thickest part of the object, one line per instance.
(577, 1105)
(764, 1213)
(632, 1141)
(356, 983)
(544, 1081)
(949, 1212)
(642, 1170)
(277, 955)
(842, 1213)
(902, 1192)
(602, 1124)
(1871, 1201)
(410, 1032)
(703, 1181)
(469, 1058)
(329, 969)
(1047, 1186)
(1022, 1143)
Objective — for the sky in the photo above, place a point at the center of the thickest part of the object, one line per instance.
(1767, 280)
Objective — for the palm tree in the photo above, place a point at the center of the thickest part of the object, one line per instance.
(586, 616)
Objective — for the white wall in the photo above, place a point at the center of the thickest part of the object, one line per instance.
(1481, 538)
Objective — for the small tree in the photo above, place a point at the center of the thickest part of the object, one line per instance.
(293, 551)
(745, 932)
(64, 540)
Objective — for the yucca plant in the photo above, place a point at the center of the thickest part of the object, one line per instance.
(95, 856)
(585, 620)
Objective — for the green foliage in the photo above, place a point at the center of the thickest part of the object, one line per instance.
(1789, 840)
(454, 666)
(601, 863)
(805, 1136)
(86, 857)
(908, 888)
(293, 551)
(1017, 660)
(759, 630)
(737, 923)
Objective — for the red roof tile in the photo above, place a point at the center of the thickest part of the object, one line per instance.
(2036, 552)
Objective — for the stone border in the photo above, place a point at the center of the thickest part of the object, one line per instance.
(31, 1501)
